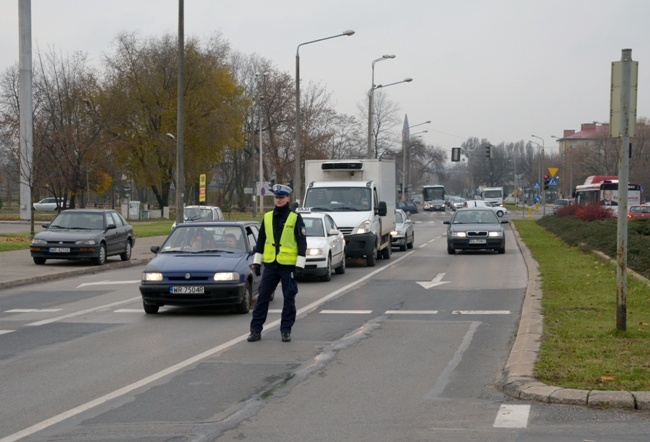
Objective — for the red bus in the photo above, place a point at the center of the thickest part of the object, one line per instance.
(604, 189)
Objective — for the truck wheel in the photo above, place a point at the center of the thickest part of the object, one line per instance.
(370, 259)
(385, 252)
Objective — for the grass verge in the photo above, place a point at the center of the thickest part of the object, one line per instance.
(581, 347)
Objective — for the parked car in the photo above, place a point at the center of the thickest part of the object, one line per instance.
(475, 229)
(201, 213)
(560, 203)
(203, 264)
(499, 210)
(325, 246)
(638, 212)
(403, 236)
(49, 204)
(417, 200)
(407, 206)
(91, 234)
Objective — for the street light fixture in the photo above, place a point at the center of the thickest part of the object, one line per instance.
(371, 96)
(297, 179)
(371, 92)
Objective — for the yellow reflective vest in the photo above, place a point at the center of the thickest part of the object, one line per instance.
(288, 250)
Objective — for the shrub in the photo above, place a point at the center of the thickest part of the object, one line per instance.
(594, 212)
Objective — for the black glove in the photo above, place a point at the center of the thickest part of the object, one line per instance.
(257, 269)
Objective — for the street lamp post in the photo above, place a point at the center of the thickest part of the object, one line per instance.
(260, 206)
(371, 96)
(405, 165)
(540, 176)
(371, 92)
(180, 115)
(297, 179)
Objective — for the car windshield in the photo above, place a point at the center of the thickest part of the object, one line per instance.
(314, 227)
(205, 239)
(76, 220)
(338, 198)
(198, 213)
(475, 217)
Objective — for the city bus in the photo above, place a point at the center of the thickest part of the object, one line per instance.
(433, 197)
(604, 189)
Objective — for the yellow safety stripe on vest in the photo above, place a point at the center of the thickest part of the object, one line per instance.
(288, 250)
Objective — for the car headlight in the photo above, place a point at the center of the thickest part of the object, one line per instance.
(314, 251)
(86, 242)
(459, 235)
(364, 227)
(495, 234)
(38, 242)
(152, 276)
(393, 233)
(226, 276)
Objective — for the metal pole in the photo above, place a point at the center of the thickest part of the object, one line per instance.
(371, 94)
(180, 174)
(261, 195)
(297, 175)
(25, 99)
(623, 173)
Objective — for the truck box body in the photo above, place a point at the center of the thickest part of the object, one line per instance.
(354, 193)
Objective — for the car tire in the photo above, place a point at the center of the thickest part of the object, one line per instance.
(150, 309)
(39, 261)
(385, 252)
(328, 271)
(101, 258)
(126, 256)
(500, 213)
(450, 249)
(371, 259)
(410, 245)
(402, 247)
(502, 250)
(245, 305)
(341, 268)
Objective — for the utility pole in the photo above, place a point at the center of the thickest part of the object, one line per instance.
(623, 125)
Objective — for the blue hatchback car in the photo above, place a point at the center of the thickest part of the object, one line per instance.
(203, 264)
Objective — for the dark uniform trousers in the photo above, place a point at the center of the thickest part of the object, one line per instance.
(272, 275)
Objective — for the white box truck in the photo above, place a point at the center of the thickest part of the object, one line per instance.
(360, 196)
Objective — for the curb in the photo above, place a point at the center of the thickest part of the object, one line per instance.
(518, 377)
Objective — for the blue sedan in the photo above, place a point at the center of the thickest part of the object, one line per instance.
(203, 264)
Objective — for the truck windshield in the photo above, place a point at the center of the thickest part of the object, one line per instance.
(338, 198)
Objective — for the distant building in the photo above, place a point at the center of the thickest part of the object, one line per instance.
(589, 136)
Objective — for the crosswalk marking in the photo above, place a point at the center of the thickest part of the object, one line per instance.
(346, 312)
(411, 312)
(2, 332)
(512, 416)
(480, 312)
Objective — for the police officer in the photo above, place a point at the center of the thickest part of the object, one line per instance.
(282, 245)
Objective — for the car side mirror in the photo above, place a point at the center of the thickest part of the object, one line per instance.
(504, 221)
(333, 232)
(111, 226)
(155, 249)
(45, 226)
(446, 222)
(382, 209)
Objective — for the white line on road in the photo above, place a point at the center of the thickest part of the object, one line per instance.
(411, 312)
(129, 310)
(346, 312)
(34, 310)
(180, 366)
(82, 312)
(86, 284)
(512, 416)
(4, 332)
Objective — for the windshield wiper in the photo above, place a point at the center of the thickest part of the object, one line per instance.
(346, 208)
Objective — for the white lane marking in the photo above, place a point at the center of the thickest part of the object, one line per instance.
(82, 312)
(411, 312)
(129, 310)
(480, 312)
(428, 242)
(446, 374)
(4, 332)
(512, 416)
(275, 310)
(34, 310)
(434, 282)
(181, 365)
(86, 284)
(346, 312)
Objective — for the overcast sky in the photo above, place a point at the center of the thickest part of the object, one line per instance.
(495, 69)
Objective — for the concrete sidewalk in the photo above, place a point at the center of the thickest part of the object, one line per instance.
(517, 380)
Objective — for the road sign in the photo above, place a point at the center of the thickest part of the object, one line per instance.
(552, 181)
(536, 185)
(553, 170)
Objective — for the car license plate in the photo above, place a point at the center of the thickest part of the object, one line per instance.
(59, 249)
(187, 290)
(477, 241)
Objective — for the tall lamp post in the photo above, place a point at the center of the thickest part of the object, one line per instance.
(371, 92)
(297, 179)
(405, 167)
(180, 112)
(370, 101)
(260, 206)
(540, 176)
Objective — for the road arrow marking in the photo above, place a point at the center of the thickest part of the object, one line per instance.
(434, 282)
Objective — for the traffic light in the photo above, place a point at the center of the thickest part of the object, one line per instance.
(488, 151)
(547, 181)
(455, 154)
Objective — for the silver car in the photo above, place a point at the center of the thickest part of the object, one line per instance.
(403, 236)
